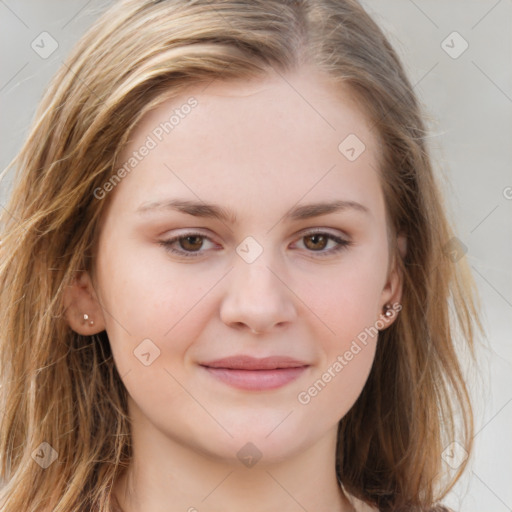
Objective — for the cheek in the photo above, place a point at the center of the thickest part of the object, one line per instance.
(347, 346)
(147, 300)
(335, 388)
(347, 301)
(348, 307)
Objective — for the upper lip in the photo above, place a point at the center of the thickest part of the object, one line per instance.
(244, 362)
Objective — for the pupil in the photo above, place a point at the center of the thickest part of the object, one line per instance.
(315, 239)
(196, 238)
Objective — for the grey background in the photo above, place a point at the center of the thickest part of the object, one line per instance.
(470, 101)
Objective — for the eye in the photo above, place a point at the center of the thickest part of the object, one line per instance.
(190, 244)
(317, 241)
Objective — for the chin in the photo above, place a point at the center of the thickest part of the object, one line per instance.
(251, 446)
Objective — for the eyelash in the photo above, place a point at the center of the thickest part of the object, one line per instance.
(167, 244)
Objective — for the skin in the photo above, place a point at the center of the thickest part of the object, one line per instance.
(259, 148)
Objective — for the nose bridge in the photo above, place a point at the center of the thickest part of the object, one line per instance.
(257, 295)
(257, 279)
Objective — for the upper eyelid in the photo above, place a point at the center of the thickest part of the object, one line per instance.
(343, 239)
(303, 232)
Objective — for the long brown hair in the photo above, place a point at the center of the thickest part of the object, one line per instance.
(63, 389)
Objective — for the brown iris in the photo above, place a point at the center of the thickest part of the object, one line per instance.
(195, 244)
(323, 241)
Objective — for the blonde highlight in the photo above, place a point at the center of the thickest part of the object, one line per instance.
(63, 389)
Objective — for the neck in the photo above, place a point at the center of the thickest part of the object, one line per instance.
(186, 480)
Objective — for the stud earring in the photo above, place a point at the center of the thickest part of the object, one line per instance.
(86, 317)
(388, 311)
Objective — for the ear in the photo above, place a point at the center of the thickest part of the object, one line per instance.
(80, 299)
(392, 292)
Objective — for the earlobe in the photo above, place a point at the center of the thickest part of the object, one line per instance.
(389, 315)
(81, 307)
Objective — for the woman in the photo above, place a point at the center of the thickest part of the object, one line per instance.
(226, 273)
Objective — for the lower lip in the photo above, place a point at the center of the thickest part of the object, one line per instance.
(256, 380)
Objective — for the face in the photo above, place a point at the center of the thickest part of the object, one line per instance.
(259, 210)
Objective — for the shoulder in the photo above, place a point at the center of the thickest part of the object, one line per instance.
(361, 506)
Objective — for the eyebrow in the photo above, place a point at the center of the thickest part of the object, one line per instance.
(208, 210)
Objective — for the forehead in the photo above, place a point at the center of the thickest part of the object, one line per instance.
(278, 138)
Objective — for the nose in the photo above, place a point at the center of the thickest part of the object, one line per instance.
(257, 297)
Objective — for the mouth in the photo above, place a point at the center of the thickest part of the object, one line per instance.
(249, 373)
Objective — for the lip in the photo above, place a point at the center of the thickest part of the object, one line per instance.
(256, 374)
